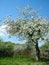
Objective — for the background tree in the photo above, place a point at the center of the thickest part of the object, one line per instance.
(29, 26)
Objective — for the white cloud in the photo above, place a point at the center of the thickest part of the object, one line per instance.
(1, 34)
(3, 27)
(2, 30)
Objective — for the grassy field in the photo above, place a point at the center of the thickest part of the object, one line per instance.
(21, 61)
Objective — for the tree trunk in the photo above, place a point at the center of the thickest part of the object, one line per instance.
(37, 52)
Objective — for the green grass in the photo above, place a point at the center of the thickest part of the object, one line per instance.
(20, 61)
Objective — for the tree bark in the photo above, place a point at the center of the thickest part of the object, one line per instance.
(37, 52)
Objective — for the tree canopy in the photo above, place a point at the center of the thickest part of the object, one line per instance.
(30, 26)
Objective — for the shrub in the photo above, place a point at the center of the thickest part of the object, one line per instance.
(6, 49)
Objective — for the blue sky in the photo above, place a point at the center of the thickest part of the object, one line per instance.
(8, 7)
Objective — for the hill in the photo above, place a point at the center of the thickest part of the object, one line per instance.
(45, 46)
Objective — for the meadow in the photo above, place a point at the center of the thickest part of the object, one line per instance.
(20, 60)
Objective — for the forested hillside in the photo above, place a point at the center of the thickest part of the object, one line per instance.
(9, 49)
(45, 46)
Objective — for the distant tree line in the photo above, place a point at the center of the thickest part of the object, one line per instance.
(8, 49)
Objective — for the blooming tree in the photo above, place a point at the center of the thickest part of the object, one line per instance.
(29, 26)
